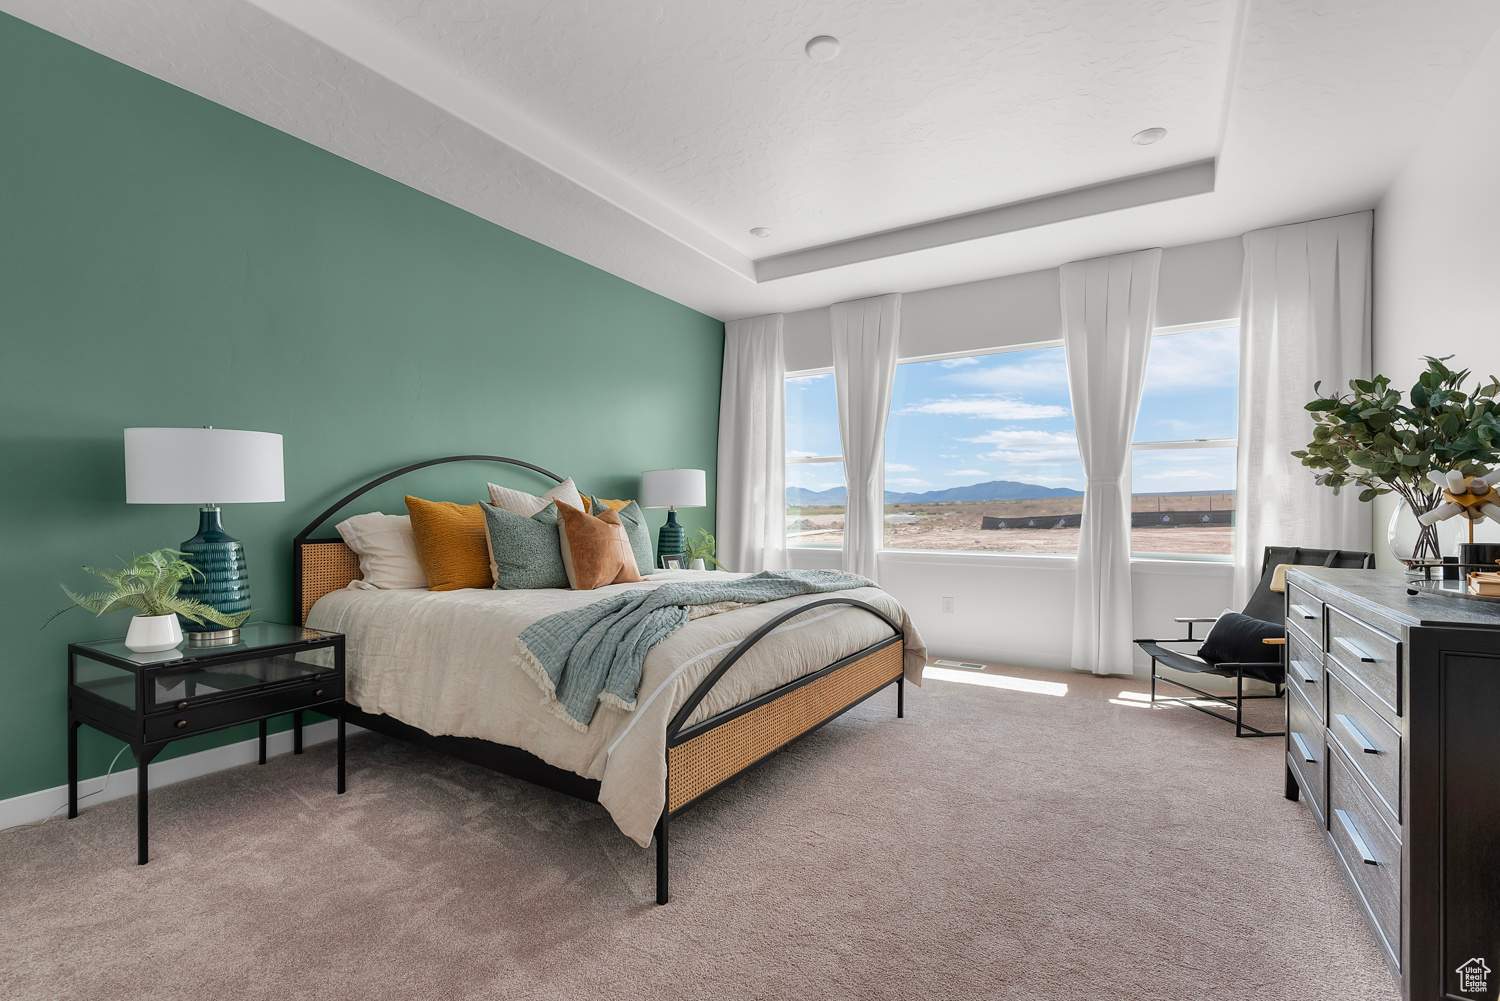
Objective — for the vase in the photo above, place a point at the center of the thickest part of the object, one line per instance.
(1409, 540)
(153, 633)
(699, 565)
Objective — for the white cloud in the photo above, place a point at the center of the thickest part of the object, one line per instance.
(906, 481)
(793, 453)
(1193, 362)
(966, 472)
(995, 408)
(958, 362)
(1050, 371)
(896, 467)
(1029, 448)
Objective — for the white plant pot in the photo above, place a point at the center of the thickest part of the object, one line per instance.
(153, 633)
(699, 565)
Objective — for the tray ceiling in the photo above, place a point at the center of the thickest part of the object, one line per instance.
(649, 138)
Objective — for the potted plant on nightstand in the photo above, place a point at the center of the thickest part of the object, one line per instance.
(700, 548)
(1385, 444)
(150, 583)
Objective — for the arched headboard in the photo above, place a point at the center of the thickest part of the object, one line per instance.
(324, 565)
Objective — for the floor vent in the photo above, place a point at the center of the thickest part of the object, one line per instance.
(960, 663)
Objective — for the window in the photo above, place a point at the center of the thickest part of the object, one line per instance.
(981, 455)
(1183, 453)
(815, 491)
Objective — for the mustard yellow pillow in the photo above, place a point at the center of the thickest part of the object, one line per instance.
(613, 505)
(452, 544)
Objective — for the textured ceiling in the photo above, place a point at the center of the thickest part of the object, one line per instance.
(647, 138)
(933, 109)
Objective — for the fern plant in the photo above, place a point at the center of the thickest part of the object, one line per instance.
(701, 547)
(149, 584)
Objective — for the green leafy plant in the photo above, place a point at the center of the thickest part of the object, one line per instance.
(1375, 439)
(701, 547)
(149, 584)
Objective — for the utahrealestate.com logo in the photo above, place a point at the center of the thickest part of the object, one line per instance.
(1474, 977)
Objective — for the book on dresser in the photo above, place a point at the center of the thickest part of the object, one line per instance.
(1393, 742)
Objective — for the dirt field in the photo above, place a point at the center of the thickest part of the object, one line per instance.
(956, 527)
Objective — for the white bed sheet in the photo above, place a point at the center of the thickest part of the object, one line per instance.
(442, 661)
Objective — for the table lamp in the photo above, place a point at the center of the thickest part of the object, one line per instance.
(208, 467)
(672, 489)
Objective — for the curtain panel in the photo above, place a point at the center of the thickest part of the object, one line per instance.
(751, 486)
(1109, 309)
(865, 336)
(1304, 318)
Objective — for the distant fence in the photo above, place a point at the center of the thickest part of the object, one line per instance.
(1138, 519)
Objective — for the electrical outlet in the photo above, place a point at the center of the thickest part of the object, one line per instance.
(948, 605)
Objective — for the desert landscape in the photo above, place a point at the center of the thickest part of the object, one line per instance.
(954, 526)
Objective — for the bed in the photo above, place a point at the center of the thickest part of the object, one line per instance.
(717, 697)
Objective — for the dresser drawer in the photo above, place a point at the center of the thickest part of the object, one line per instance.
(1306, 753)
(1305, 612)
(1370, 850)
(1372, 745)
(1304, 670)
(214, 716)
(1371, 657)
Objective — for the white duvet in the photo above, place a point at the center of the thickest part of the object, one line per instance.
(442, 661)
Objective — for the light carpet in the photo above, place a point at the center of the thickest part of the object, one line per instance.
(996, 843)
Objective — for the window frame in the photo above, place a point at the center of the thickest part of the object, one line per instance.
(807, 460)
(1187, 443)
(983, 555)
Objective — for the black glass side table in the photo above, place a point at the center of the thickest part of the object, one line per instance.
(149, 700)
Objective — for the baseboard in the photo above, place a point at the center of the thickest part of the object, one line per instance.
(34, 806)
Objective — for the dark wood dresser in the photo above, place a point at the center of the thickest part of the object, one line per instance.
(1393, 742)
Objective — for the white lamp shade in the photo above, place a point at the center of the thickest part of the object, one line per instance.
(674, 488)
(202, 466)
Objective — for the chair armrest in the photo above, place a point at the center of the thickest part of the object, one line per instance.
(1197, 618)
(1248, 663)
(1180, 639)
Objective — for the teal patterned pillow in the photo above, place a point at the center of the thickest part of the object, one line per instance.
(524, 552)
(634, 520)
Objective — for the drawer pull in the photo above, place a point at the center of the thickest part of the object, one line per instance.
(317, 693)
(1304, 611)
(181, 723)
(1307, 755)
(1365, 743)
(1359, 843)
(182, 705)
(1355, 649)
(1302, 673)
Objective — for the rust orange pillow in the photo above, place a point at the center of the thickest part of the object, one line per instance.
(595, 550)
(613, 505)
(452, 544)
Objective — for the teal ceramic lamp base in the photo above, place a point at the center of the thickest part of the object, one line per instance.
(672, 539)
(224, 582)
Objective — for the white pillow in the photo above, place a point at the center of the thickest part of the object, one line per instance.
(526, 505)
(386, 549)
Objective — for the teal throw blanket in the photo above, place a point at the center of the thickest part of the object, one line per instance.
(588, 655)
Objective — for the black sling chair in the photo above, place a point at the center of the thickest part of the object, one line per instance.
(1265, 605)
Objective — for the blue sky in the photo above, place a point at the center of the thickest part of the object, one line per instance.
(1007, 416)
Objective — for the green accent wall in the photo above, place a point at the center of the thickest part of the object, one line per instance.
(165, 261)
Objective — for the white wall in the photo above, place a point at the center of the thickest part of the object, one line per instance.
(1437, 249)
(1019, 609)
(1199, 282)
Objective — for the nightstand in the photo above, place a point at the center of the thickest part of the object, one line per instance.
(149, 700)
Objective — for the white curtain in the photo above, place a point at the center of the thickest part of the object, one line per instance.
(751, 489)
(1109, 308)
(865, 335)
(1304, 318)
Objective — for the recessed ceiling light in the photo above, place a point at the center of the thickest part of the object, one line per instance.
(823, 48)
(1146, 137)
(761, 232)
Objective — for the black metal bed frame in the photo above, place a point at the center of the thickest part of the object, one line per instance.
(524, 765)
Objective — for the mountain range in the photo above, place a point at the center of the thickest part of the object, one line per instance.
(993, 490)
